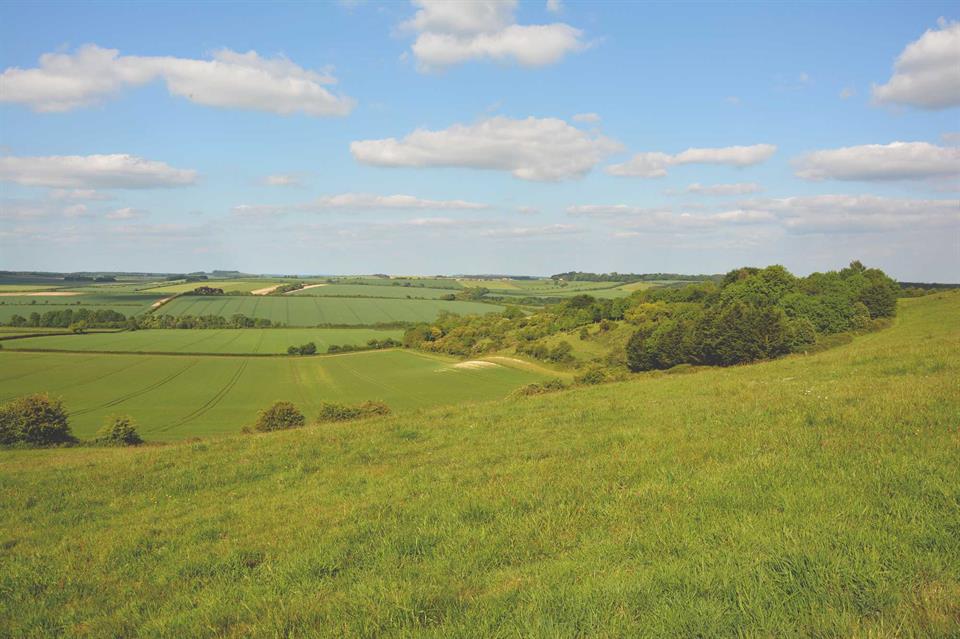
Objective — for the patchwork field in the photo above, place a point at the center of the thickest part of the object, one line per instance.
(178, 396)
(220, 341)
(293, 310)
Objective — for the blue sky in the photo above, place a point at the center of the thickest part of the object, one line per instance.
(552, 137)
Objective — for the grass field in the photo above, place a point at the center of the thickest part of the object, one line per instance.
(813, 496)
(174, 397)
(251, 341)
(369, 290)
(292, 310)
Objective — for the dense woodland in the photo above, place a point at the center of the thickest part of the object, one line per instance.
(750, 314)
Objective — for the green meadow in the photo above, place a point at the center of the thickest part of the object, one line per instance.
(179, 396)
(292, 310)
(812, 496)
(215, 341)
(372, 290)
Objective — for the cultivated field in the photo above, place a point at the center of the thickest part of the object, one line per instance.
(292, 310)
(370, 290)
(178, 396)
(809, 496)
(216, 341)
(243, 286)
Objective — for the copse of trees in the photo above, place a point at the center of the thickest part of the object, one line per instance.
(304, 349)
(88, 318)
(237, 320)
(205, 290)
(754, 314)
(745, 315)
(287, 288)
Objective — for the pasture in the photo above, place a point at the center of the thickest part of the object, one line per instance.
(214, 341)
(301, 310)
(178, 396)
(808, 496)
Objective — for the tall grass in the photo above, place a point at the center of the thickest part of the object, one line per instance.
(814, 496)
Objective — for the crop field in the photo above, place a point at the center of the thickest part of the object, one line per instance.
(215, 341)
(419, 282)
(370, 290)
(178, 396)
(293, 310)
(808, 496)
(243, 286)
(126, 303)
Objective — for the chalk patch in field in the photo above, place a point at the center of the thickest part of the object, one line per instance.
(42, 294)
(476, 363)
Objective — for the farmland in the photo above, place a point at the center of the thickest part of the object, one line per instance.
(372, 290)
(292, 310)
(242, 286)
(811, 495)
(178, 396)
(214, 341)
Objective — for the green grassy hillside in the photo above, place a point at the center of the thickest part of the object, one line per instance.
(813, 496)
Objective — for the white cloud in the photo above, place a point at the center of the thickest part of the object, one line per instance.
(79, 195)
(847, 92)
(951, 138)
(533, 231)
(451, 33)
(64, 81)
(591, 118)
(281, 180)
(125, 213)
(545, 149)
(92, 172)
(655, 164)
(802, 214)
(528, 210)
(360, 202)
(554, 6)
(738, 188)
(927, 73)
(895, 161)
(856, 213)
(666, 220)
(75, 210)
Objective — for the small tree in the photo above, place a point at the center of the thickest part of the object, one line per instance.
(119, 431)
(308, 349)
(293, 350)
(280, 416)
(35, 420)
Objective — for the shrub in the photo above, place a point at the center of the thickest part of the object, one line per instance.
(35, 420)
(333, 412)
(591, 377)
(293, 350)
(119, 431)
(280, 416)
(540, 388)
(308, 349)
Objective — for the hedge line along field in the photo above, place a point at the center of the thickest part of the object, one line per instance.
(216, 341)
(292, 310)
(812, 496)
(126, 303)
(178, 396)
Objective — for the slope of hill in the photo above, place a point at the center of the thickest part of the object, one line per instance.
(810, 496)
